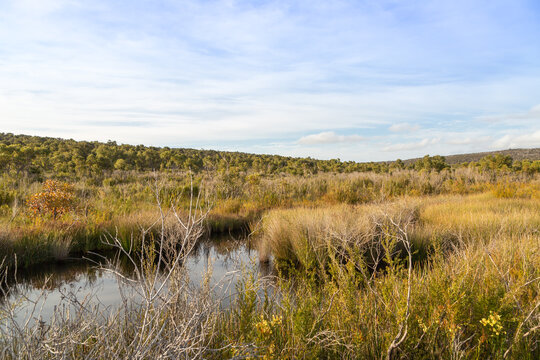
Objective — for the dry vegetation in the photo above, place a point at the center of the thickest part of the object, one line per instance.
(348, 288)
(474, 279)
(125, 201)
(412, 264)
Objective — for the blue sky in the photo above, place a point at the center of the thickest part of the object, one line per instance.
(355, 80)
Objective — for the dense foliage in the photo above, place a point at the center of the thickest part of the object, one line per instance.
(42, 156)
(56, 199)
(70, 158)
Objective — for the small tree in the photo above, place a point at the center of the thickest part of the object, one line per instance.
(56, 199)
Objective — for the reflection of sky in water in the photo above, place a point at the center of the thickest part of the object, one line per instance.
(104, 287)
(85, 279)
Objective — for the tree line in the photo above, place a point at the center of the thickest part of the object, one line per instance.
(69, 158)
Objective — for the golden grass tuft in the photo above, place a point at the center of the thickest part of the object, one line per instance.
(299, 235)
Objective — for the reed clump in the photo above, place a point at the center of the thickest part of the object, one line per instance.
(308, 236)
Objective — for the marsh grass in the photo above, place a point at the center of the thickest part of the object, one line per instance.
(160, 315)
(306, 236)
(343, 269)
(480, 217)
(125, 199)
(480, 301)
(39, 243)
(474, 295)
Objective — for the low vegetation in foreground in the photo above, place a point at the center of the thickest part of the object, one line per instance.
(450, 276)
(474, 280)
(373, 261)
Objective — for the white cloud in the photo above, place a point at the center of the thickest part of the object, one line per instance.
(469, 140)
(532, 114)
(411, 146)
(518, 141)
(329, 137)
(404, 127)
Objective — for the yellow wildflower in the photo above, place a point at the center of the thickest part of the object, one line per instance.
(493, 323)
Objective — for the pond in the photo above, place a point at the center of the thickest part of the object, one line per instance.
(40, 290)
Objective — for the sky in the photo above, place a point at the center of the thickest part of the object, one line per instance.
(355, 80)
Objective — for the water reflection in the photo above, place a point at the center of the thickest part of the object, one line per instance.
(48, 285)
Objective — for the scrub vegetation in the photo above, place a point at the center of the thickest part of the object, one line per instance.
(421, 260)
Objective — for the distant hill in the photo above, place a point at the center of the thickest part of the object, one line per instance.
(516, 154)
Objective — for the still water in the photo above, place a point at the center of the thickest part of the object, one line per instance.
(41, 290)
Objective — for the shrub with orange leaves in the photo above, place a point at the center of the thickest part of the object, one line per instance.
(56, 199)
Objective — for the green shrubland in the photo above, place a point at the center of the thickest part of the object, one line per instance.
(403, 260)
(124, 200)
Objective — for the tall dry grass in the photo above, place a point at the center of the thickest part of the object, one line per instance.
(475, 295)
(303, 235)
(307, 236)
(126, 199)
(476, 298)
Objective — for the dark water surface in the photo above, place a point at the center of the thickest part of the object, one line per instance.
(42, 289)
